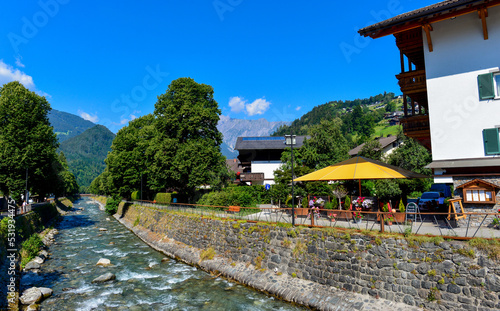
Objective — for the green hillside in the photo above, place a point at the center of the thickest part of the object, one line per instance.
(86, 152)
(67, 125)
(331, 110)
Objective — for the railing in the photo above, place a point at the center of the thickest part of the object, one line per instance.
(415, 123)
(432, 224)
(412, 81)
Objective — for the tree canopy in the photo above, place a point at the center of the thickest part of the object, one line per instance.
(175, 149)
(28, 143)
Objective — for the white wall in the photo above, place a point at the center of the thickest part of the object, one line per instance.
(457, 116)
(267, 168)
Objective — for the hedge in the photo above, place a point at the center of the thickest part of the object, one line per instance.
(136, 196)
(163, 198)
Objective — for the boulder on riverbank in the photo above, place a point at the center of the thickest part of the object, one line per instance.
(104, 278)
(103, 262)
(32, 265)
(35, 295)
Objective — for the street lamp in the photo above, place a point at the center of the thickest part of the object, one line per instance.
(290, 140)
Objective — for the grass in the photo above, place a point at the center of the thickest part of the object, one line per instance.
(383, 129)
(490, 247)
(207, 254)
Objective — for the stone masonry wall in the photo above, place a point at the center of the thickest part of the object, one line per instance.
(434, 274)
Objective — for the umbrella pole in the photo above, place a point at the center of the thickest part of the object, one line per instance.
(359, 180)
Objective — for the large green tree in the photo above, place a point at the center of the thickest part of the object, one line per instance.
(186, 149)
(27, 142)
(326, 146)
(127, 162)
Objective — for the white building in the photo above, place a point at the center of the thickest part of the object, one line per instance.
(450, 59)
(261, 156)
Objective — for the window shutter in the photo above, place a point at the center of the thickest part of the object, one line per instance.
(486, 86)
(491, 141)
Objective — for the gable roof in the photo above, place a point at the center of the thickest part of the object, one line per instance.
(429, 14)
(267, 143)
(478, 181)
(384, 142)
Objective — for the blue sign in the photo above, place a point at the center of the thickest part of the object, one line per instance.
(268, 186)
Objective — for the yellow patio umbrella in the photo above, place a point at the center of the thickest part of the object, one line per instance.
(359, 168)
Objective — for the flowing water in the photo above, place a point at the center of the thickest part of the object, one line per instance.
(143, 281)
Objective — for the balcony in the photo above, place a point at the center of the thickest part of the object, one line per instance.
(252, 176)
(418, 127)
(412, 82)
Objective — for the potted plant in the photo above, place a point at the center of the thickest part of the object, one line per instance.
(389, 218)
(356, 214)
(399, 217)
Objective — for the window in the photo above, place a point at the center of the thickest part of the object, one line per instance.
(489, 86)
(491, 141)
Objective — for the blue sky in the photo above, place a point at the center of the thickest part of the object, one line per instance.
(107, 61)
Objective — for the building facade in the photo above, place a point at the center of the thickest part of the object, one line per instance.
(261, 156)
(450, 67)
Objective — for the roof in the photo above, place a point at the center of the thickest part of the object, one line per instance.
(384, 142)
(266, 143)
(432, 13)
(478, 181)
(485, 162)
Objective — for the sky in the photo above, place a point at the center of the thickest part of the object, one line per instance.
(107, 61)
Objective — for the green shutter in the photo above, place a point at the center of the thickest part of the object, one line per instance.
(486, 86)
(491, 141)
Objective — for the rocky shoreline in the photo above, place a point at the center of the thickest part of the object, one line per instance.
(32, 296)
(303, 292)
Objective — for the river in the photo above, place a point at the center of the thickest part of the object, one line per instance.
(143, 281)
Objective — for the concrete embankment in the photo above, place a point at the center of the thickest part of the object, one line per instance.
(262, 259)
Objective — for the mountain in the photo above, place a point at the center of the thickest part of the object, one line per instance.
(86, 152)
(231, 129)
(67, 125)
(331, 110)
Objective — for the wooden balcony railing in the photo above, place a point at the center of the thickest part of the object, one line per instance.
(418, 127)
(251, 176)
(412, 82)
(415, 123)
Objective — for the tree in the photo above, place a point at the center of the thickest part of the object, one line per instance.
(412, 156)
(127, 162)
(27, 142)
(390, 106)
(326, 146)
(186, 150)
(372, 150)
(66, 181)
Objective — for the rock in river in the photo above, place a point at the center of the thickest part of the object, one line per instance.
(103, 262)
(32, 265)
(35, 295)
(104, 278)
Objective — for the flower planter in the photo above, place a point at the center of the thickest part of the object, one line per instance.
(344, 215)
(301, 211)
(399, 217)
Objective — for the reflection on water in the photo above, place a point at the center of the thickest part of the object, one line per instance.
(143, 281)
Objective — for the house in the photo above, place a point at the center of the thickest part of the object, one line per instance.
(450, 68)
(261, 156)
(388, 144)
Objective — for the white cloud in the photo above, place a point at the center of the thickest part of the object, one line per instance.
(259, 106)
(88, 117)
(298, 108)
(237, 104)
(9, 74)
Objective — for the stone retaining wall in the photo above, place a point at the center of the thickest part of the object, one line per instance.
(326, 263)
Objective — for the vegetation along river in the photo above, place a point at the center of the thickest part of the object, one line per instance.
(143, 281)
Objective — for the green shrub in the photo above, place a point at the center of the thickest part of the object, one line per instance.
(163, 198)
(112, 205)
(347, 202)
(136, 196)
(305, 203)
(30, 248)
